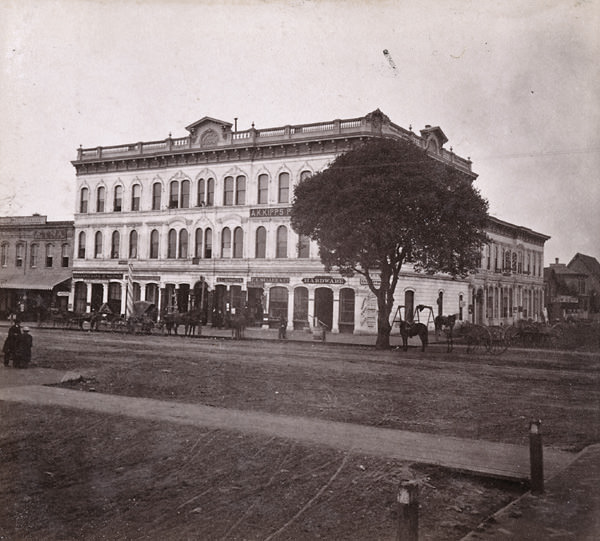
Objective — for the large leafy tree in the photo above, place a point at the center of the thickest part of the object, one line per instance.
(386, 203)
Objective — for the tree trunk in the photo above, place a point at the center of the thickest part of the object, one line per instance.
(384, 327)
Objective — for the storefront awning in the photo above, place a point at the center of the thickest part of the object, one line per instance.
(43, 280)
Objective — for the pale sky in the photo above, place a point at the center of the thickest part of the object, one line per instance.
(514, 85)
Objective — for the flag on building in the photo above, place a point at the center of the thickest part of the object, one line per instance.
(129, 307)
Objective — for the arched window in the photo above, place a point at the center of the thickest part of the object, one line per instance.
(156, 191)
(183, 244)
(83, 200)
(210, 192)
(303, 246)
(226, 242)
(100, 199)
(154, 244)
(228, 191)
(261, 243)
(98, 245)
(240, 190)
(172, 244)
(133, 241)
(33, 255)
(135, 197)
(65, 255)
(208, 243)
(81, 246)
(263, 189)
(409, 305)
(238, 243)
(20, 254)
(284, 188)
(49, 255)
(282, 235)
(118, 200)
(115, 245)
(304, 175)
(201, 201)
(174, 195)
(198, 243)
(185, 194)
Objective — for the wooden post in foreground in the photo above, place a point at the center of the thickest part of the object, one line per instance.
(408, 512)
(536, 457)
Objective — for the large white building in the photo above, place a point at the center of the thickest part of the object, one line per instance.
(203, 221)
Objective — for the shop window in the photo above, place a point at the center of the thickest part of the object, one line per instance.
(135, 197)
(154, 244)
(152, 293)
(284, 188)
(156, 193)
(100, 199)
(114, 297)
(172, 244)
(115, 245)
(261, 243)
(118, 200)
(263, 189)
(278, 302)
(346, 316)
(183, 244)
(238, 243)
(133, 243)
(83, 200)
(240, 190)
(282, 234)
(81, 246)
(98, 245)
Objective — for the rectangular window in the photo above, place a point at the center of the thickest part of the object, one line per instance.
(118, 201)
(19, 258)
(210, 192)
(135, 197)
(240, 191)
(4, 255)
(65, 255)
(33, 256)
(284, 188)
(156, 189)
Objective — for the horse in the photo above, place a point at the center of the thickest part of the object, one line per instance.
(446, 324)
(408, 330)
(191, 320)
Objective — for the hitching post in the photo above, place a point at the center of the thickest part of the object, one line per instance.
(536, 457)
(408, 512)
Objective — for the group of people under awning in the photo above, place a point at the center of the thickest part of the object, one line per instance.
(17, 346)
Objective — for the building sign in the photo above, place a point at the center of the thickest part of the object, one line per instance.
(280, 212)
(259, 280)
(146, 278)
(566, 299)
(375, 278)
(50, 234)
(323, 280)
(97, 276)
(230, 280)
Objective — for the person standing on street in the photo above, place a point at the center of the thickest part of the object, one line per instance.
(10, 343)
(23, 349)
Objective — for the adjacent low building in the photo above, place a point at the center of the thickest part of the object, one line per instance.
(35, 265)
(203, 222)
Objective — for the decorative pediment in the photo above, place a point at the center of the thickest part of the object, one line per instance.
(434, 138)
(208, 132)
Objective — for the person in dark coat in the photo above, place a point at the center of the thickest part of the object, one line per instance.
(23, 347)
(10, 343)
(282, 327)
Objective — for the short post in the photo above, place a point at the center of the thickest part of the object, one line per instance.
(536, 457)
(408, 512)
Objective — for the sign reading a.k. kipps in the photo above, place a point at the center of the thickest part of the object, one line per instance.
(279, 212)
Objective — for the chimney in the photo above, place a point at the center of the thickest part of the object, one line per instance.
(556, 260)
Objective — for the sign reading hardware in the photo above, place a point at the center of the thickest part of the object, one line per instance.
(270, 212)
(323, 280)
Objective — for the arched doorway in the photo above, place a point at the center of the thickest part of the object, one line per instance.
(97, 295)
(300, 307)
(114, 297)
(80, 297)
(200, 299)
(409, 305)
(324, 306)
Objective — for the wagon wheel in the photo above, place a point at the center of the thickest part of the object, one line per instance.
(498, 345)
(511, 336)
(557, 335)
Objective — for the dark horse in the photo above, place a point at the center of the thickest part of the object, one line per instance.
(408, 330)
(446, 324)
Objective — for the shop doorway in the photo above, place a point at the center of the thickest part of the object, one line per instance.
(255, 306)
(346, 322)
(324, 306)
(97, 294)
